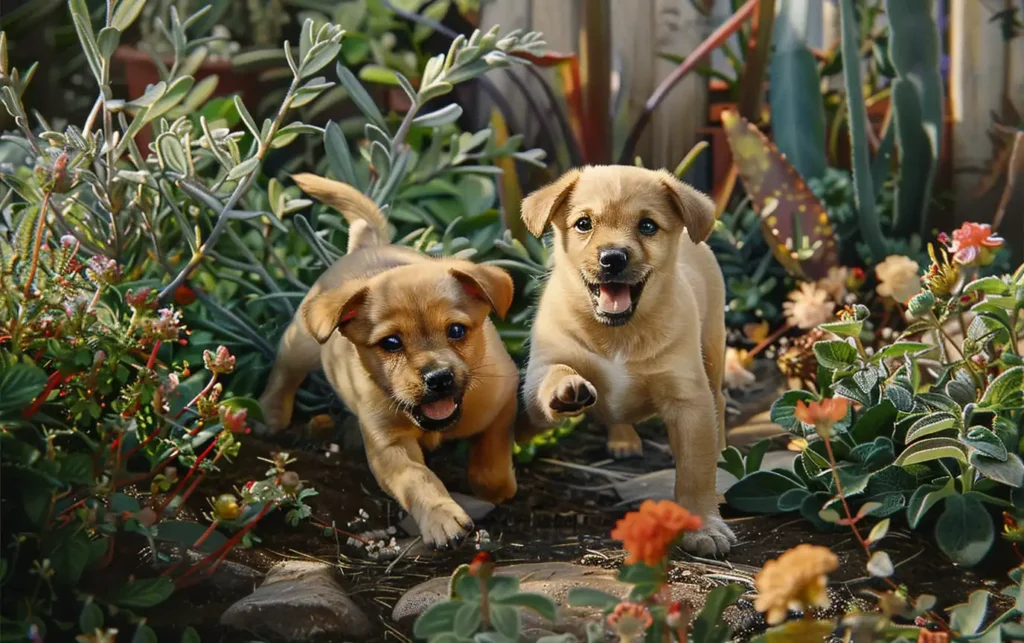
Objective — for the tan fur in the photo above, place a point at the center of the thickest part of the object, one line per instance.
(379, 290)
(367, 224)
(667, 359)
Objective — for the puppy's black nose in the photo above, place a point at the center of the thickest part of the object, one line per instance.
(440, 381)
(612, 260)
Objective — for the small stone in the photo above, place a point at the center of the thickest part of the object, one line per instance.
(553, 580)
(299, 601)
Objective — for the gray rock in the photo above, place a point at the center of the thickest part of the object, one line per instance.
(299, 601)
(553, 580)
(231, 577)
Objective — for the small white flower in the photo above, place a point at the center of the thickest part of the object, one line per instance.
(898, 277)
(808, 307)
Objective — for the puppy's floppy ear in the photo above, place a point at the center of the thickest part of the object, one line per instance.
(541, 204)
(489, 283)
(333, 308)
(695, 208)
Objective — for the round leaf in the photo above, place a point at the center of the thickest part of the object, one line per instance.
(964, 531)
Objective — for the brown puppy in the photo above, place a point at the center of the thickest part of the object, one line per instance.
(632, 323)
(406, 342)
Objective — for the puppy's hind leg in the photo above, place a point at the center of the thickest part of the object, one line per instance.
(624, 442)
(297, 356)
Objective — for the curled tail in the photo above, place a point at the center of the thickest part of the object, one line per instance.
(367, 225)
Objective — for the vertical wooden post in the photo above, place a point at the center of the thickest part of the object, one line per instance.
(978, 57)
(632, 26)
(595, 40)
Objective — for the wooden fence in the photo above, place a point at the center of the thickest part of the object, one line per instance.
(986, 73)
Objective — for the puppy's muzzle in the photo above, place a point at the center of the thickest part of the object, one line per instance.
(441, 404)
(613, 262)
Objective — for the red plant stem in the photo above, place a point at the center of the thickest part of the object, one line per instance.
(152, 356)
(712, 42)
(181, 485)
(206, 534)
(40, 226)
(55, 380)
(768, 341)
(74, 506)
(218, 554)
(852, 521)
(203, 393)
(149, 474)
(142, 445)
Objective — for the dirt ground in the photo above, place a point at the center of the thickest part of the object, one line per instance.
(560, 513)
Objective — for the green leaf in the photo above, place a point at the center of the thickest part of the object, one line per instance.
(931, 424)
(338, 157)
(964, 531)
(125, 14)
(243, 169)
(144, 634)
(190, 635)
(289, 132)
(83, 26)
(380, 75)
(1009, 472)
(360, 97)
(90, 618)
(68, 550)
(588, 597)
(900, 397)
(467, 620)
(985, 441)
(874, 422)
(966, 618)
(254, 412)
(20, 385)
(989, 286)
(732, 462)
(851, 328)
(709, 625)
(880, 565)
(932, 449)
(899, 349)
(782, 411)
(76, 468)
(107, 41)
(120, 502)
(539, 603)
(176, 93)
(880, 529)
(759, 492)
(756, 455)
(438, 618)
(444, 116)
(1005, 391)
(924, 498)
(142, 592)
(319, 57)
(246, 117)
(505, 620)
(835, 355)
(171, 153)
(793, 499)
(187, 532)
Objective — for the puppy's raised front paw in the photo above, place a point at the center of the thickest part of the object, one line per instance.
(573, 396)
(445, 526)
(713, 539)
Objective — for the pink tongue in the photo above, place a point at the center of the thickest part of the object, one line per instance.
(614, 298)
(439, 410)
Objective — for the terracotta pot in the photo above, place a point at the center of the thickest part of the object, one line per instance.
(140, 72)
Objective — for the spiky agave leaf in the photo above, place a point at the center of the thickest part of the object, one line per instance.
(793, 220)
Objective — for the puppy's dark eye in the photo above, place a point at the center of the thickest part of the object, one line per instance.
(456, 331)
(583, 224)
(391, 343)
(647, 227)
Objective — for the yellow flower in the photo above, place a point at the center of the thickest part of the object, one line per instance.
(794, 581)
(756, 332)
(808, 306)
(943, 276)
(897, 278)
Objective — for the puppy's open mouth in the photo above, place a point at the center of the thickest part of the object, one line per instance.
(615, 301)
(437, 415)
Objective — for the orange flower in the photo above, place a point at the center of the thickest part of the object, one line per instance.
(925, 635)
(973, 244)
(647, 534)
(822, 415)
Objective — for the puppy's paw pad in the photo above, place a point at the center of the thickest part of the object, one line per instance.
(712, 540)
(445, 526)
(573, 396)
